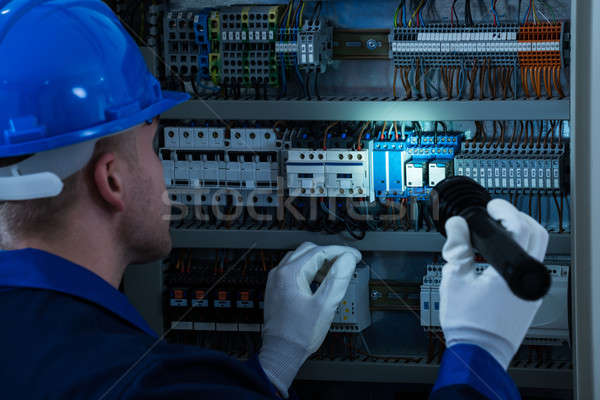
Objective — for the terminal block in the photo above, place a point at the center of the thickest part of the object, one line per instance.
(528, 168)
(315, 45)
(286, 47)
(201, 30)
(509, 45)
(247, 39)
(181, 49)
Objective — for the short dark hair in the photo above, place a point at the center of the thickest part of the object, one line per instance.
(41, 217)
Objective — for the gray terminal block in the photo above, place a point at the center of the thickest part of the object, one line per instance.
(247, 45)
(442, 45)
(537, 169)
(180, 47)
(315, 45)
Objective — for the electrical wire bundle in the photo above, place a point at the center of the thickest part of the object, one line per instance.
(289, 27)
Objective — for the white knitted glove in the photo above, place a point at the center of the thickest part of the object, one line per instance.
(482, 310)
(296, 320)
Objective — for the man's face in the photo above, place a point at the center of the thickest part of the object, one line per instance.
(146, 228)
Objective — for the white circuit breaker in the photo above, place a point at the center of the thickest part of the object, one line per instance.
(347, 173)
(306, 172)
(333, 173)
(353, 313)
(205, 165)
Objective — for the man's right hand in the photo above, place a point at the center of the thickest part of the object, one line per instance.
(481, 309)
(296, 319)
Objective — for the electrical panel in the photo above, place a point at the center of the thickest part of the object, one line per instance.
(331, 122)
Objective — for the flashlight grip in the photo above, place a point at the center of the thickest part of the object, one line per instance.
(528, 278)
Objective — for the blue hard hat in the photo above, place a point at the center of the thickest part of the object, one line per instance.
(69, 73)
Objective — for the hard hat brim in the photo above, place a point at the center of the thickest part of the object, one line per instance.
(169, 100)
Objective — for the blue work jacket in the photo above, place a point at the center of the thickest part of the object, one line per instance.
(68, 334)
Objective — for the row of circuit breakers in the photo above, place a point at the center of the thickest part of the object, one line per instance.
(202, 165)
(550, 325)
(249, 45)
(237, 305)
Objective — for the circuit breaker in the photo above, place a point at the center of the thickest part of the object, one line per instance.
(550, 324)
(353, 314)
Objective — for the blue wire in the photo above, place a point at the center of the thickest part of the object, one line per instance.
(494, 11)
(298, 16)
(404, 14)
(284, 19)
(421, 15)
(213, 88)
(526, 14)
(324, 208)
(300, 78)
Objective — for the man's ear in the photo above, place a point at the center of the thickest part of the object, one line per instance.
(109, 182)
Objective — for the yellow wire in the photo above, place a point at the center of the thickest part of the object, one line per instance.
(287, 23)
(415, 13)
(301, 12)
(534, 12)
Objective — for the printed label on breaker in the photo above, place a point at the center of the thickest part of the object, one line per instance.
(222, 304)
(178, 302)
(199, 303)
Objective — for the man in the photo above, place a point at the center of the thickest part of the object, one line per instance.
(81, 198)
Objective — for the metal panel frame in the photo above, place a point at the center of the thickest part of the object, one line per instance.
(585, 178)
(367, 109)
(392, 372)
(288, 239)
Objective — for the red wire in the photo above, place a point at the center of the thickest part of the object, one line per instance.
(528, 12)
(451, 16)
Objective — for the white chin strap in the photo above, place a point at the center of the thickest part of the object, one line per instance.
(41, 175)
